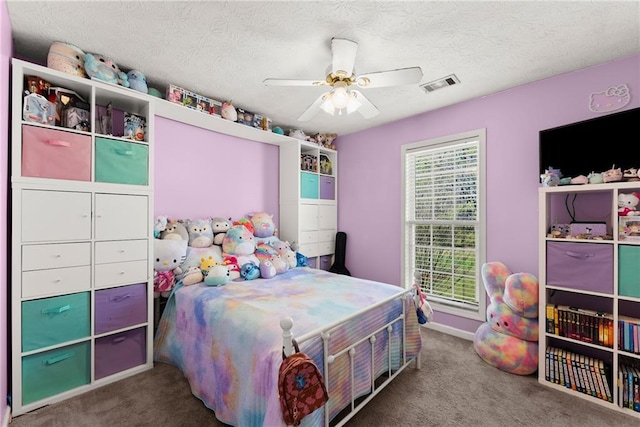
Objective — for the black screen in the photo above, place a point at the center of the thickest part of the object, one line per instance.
(593, 145)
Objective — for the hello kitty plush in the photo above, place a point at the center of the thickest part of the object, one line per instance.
(628, 204)
(168, 255)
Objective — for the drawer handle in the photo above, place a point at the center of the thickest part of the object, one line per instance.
(119, 339)
(57, 310)
(119, 298)
(58, 142)
(124, 152)
(59, 358)
(579, 255)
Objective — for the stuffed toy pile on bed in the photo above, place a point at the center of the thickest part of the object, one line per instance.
(216, 250)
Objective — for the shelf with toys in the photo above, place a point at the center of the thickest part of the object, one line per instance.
(589, 261)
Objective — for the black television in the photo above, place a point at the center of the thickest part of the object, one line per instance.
(592, 145)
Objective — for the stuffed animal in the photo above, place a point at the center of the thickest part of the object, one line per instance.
(508, 339)
(228, 111)
(263, 227)
(159, 225)
(240, 243)
(137, 81)
(267, 269)
(218, 276)
(220, 226)
(326, 140)
(284, 250)
(232, 264)
(175, 230)
(168, 256)
(207, 264)
(246, 222)
(67, 58)
(102, 68)
(249, 271)
(200, 233)
(192, 276)
(628, 204)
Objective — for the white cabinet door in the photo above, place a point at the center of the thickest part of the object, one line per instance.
(120, 216)
(328, 217)
(55, 215)
(308, 217)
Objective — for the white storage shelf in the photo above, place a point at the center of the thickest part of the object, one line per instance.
(73, 237)
(592, 293)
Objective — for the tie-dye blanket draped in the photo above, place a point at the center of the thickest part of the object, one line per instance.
(228, 342)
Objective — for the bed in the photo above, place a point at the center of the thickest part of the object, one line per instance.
(229, 341)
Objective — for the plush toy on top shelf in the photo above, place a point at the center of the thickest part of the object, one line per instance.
(228, 111)
(101, 68)
(137, 81)
(628, 204)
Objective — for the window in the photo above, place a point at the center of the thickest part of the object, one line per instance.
(443, 221)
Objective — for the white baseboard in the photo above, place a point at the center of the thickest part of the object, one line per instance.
(450, 331)
(7, 416)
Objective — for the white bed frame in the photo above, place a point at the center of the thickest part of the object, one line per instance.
(325, 333)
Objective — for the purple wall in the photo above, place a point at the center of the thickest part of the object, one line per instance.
(371, 214)
(6, 50)
(200, 173)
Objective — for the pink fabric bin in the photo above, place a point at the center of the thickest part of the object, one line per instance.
(56, 154)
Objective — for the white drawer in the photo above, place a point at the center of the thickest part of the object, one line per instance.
(326, 235)
(310, 250)
(307, 237)
(126, 250)
(121, 273)
(55, 215)
(41, 257)
(325, 248)
(40, 283)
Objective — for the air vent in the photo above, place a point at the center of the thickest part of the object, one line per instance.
(450, 80)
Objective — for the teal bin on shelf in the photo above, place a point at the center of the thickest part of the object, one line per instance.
(121, 162)
(51, 321)
(309, 185)
(55, 371)
(629, 271)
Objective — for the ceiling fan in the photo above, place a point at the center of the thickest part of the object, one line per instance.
(344, 95)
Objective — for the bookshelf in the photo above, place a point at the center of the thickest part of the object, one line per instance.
(589, 275)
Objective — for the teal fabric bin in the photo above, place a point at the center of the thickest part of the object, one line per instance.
(51, 321)
(309, 185)
(121, 162)
(629, 271)
(55, 371)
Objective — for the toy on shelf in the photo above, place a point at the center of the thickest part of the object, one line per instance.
(628, 204)
(631, 175)
(137, 81)
(550, 177)
(612, 175)
(228, 111)
(595, 178)
(105, 69)
(67, 58)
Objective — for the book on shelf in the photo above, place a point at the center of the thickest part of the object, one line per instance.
(605, 382)
(571, 368)
(547, 374)
(593, 379)
(636, 389)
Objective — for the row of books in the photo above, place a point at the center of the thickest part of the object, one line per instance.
(629, 334)
(577, 372)
(579, 324)
(629, 386)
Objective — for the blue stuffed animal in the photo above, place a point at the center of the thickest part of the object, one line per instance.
(137, 81)
(101, 68)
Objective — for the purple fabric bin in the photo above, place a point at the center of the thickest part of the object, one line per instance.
(582, 266)
(117, 308)
(327, 187)
(119, 352)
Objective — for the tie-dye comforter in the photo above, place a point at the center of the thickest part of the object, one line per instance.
(228, 342)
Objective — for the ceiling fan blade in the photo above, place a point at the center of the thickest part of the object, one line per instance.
(293, 82)
(313, 108)
(399, 77)
(343, 57)
(366, 108)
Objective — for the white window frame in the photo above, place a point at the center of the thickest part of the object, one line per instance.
(468, 311)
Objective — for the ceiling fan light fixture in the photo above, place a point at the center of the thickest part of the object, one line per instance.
(327, 106)
(354, 104)
(340, 96)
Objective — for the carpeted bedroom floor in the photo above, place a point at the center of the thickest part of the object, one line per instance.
(454, 388)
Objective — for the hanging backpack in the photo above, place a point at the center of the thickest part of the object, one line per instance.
(300, 387)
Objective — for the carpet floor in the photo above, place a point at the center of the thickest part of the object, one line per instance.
(455, 387)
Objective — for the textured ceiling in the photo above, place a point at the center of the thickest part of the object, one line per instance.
(225, 50)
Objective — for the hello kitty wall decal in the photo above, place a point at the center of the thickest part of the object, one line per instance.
(611, 99)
